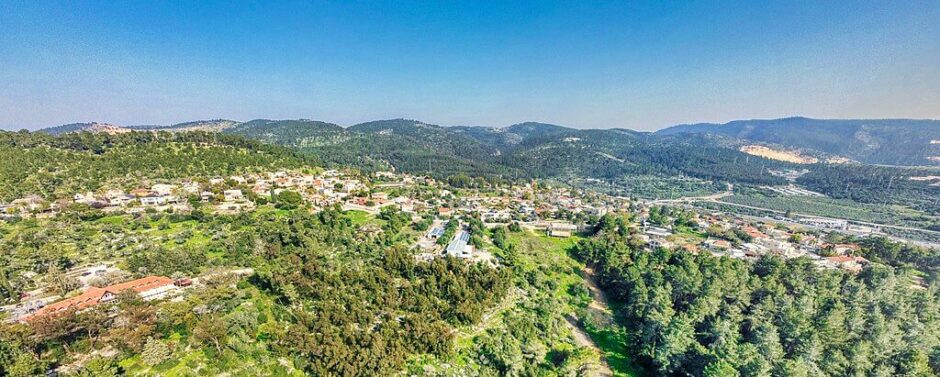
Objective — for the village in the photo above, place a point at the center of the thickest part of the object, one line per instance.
(448, 216)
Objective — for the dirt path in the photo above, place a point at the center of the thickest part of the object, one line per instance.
(582, 338)
(600, 299)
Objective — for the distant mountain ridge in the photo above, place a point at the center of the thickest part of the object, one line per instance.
(874, 141)
(615, 157)
(94, 127)
(410, 144)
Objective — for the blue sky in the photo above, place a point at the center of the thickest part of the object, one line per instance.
(640, 65)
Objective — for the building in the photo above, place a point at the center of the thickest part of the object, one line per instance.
(435, 233)
(825, 223)
(848, 263)
(149, 288)
(233, 195)
(120, 201)
(459, 246)
(563, 229)
(657, 232)
(154, 200)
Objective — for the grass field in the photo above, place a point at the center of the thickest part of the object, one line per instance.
(361, 217)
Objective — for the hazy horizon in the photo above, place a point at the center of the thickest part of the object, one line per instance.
(455, 125)
(641, 66)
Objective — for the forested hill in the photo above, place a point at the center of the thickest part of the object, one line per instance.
(527, 150)
(883, 141)
(60, 166)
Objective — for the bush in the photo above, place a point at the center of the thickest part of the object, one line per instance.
(154, 352)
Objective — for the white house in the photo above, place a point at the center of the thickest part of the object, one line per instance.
(154, 200)
(233, 195)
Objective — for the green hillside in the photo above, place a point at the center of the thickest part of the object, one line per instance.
(59, 166)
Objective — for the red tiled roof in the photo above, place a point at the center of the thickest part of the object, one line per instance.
(140, 285)
(93, 295)
(90, 297)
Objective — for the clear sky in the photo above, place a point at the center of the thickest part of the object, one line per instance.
(640, 65)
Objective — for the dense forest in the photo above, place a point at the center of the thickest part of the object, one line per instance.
(700, 315)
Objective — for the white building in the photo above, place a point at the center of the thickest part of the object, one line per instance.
(233, 195)
(154, 200)
(460, 246)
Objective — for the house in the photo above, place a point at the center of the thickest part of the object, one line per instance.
(120, 201)
(86, 198)
(149, 288)
(191, 188)
(656, 243)
(404, 204)
(657, 232)
(561, 229)
(444, 211)
(754, 233)
(716, 245)
(753, 250)
(848, 263)
(233, 195)
(154, 200)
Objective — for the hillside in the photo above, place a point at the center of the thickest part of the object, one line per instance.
(296, 133)
(526, 150)
(615, 156)
(93, 127)
(59, 166)
(864, 140)
(213, 125)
